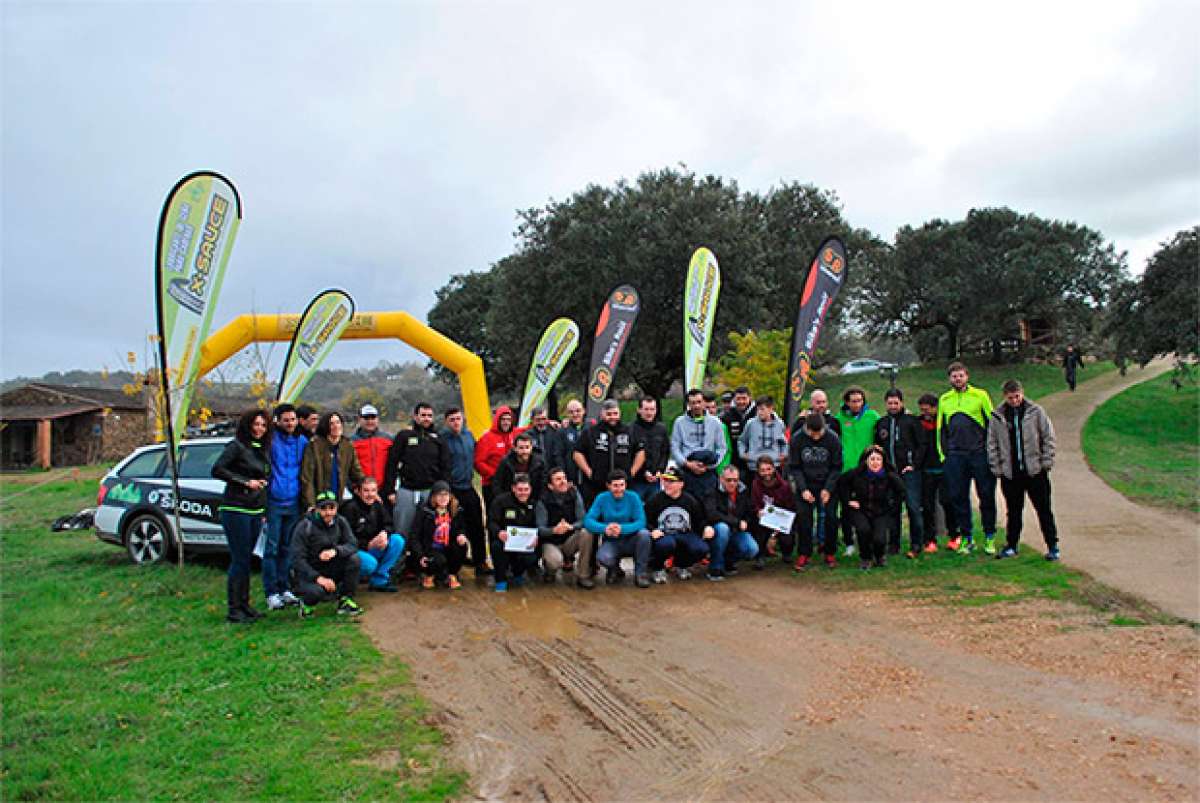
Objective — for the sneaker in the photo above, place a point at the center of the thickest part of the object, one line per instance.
(453, 583)
(953, 544)
(290, 599)
(968, 546)
(547, 577)
(427, 581)
(1008, 552)
(348, 607)
(642, 581)
(275, 602)
(760, 564)
(517, 581)
(830, 562)
(930, 548)
(614, 576)
(659, 577)
(1052, 554)
(880, 562)
(585, 583)
(801, 563)
(989, 544)
(864, 565)
(911, 554)
(715, 575)
(683, 574)
(307, 611)
(501, 586)
(731, 571)
(850, 551)
(386, 588)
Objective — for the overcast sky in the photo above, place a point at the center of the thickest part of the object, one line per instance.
(382, 147)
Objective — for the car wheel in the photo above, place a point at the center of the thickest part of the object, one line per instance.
(147, 539)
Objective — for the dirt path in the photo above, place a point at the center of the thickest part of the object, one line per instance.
(1151, 552)
(769, 688)
(765, 688)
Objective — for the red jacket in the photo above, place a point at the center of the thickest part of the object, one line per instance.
(780, 493)
(372, 451)
(493, 445)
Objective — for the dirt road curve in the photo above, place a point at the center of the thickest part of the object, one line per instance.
(765, 689)
(768, 688)
(1151, 552)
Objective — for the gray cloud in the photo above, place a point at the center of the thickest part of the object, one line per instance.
(382, 147)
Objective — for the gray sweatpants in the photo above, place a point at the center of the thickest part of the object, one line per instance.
(407, 502)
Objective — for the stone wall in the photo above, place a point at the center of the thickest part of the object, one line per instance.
(123, 432)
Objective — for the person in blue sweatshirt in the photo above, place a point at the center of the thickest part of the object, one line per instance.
(283, 506)
(619, 521)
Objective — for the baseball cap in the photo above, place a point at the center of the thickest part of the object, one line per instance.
(671, 474)
(326, 498)
(368, 409)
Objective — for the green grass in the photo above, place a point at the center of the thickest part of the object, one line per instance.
(123, 682)
(1145, 442)
(1039, 380)
(979, 579)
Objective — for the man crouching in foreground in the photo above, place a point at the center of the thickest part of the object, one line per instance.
(325, 559)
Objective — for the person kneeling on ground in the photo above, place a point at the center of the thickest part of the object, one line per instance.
(559, 514)
(325, 559)
(371, 522)
(729, 512)
(678, 528)
(440, 538)
(513, 508)
(872, 495)
(770, 489)
(619, 519)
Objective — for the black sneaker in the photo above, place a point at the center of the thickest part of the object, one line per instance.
(585, 583)
(715, 575)
(614, 577)
(387, 588)
(759, 564)
(731, 571)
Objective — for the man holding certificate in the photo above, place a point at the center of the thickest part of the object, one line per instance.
(512, 524)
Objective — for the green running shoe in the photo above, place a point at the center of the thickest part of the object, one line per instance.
(306, 611)
(989, 544)
(348, 607)
(968, 546)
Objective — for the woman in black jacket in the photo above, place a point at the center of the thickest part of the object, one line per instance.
(245, 465)
(872, 494)
(440, 538)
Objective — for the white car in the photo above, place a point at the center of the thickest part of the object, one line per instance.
(135, 506)
(866, 366)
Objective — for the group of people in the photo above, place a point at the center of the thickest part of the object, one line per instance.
(715, 491)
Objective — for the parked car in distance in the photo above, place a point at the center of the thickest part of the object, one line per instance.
(135, 505)
(866, 366)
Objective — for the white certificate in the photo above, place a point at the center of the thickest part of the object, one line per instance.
(777, 518)
(520, 539)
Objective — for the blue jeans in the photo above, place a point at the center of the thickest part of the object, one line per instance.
(376, 564)
(739, 546)
(912, 502)
(635, 545)
(277, 552)
(241, 533)
(690, 548)
(959, 470)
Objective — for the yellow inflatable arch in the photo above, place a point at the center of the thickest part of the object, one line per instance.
(246, 329)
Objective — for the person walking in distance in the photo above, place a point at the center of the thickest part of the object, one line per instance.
(1071, 363)
(1020, 447)
(962, 421)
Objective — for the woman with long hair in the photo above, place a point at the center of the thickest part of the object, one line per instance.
(245, 465)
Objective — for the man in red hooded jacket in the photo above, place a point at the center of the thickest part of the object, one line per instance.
(491, 448)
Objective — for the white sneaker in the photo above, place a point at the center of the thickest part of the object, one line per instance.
(683, 574)
(289, 598)
(659, 577)
(850, 552)
(275, 602)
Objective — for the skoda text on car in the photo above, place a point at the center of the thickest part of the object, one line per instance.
(135, 507)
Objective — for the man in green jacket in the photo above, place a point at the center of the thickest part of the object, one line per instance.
(857, 422)
(962, 425)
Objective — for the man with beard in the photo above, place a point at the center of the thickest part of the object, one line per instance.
(561, 534)
(653, 435)
(698, 445)
(521, 460)
(418, 458)
(605, 447)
